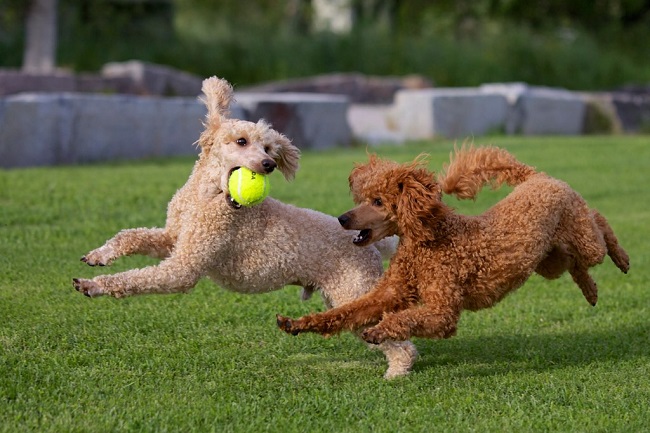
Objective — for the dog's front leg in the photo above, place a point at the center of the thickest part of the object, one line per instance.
(421, 321)
(151, 242)
(364, 311)
(172, 275)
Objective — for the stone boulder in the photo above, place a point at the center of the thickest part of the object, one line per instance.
(374, 124)
(358, 88)
(310, 121)
(152, 79)
(50, 129)
(449, 112)
(633, 110)
(540, 110)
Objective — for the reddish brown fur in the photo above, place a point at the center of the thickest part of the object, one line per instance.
(446, 262)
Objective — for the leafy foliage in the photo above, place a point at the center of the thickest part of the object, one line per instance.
(579, 44)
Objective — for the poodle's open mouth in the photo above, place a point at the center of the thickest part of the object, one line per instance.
(232, 202)
(363, 237)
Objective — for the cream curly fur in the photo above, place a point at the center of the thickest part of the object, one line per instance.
(247, 250)
(446, 262)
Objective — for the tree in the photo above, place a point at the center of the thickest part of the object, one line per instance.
(40, 36)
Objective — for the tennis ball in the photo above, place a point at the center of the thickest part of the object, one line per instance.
(247, 187)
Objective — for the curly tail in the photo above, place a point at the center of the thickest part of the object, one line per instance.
(470, 168)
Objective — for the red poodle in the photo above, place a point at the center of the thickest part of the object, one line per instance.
(446, 262)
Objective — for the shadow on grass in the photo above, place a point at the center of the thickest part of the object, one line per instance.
(496, 354)
(485, 356)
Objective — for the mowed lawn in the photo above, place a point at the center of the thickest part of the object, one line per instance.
(211, 360)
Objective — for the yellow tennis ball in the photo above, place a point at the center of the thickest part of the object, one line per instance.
(247, 187)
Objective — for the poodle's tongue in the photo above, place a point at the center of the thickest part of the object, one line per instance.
(362, 237)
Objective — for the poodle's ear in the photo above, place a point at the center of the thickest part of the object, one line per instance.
(288, 156)
(419, 203)
(218, 96)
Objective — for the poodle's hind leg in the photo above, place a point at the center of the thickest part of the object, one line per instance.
(561, 259)
(614, 250)
(307, 291)
(558, 261)
(587, 284)
(152, 242)
(578, 267)
(400, 355)
(555, 263)
(584, 232)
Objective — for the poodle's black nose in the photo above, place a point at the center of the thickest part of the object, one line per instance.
(269, 165)
(344, 219)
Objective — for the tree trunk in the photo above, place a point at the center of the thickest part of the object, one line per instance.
(40, 37)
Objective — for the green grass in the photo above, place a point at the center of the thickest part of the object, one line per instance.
(542, 360)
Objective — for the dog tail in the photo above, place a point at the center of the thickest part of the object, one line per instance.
(470, 168)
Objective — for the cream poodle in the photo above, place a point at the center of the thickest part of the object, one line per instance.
(244, 249)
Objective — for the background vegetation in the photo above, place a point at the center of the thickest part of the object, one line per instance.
(579, 44)
(542, 360)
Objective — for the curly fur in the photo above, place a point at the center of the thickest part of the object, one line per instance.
(247, 250)
(446, 262)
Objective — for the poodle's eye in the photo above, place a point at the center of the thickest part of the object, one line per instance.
(377, 202)
(267, 148)
(241, 141)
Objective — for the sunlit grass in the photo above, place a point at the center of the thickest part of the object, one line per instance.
(211, 360)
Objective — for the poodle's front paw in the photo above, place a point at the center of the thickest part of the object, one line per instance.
(374, 336)
(102, 256)
(87, 287)
(287, 324)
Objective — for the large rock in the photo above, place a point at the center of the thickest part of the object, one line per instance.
(49, 129)
(374, 124)
(449, 112)
(540, 110)
(132, 77)
(512, 92)
(15, 81)
(152, 79)
(64, 128)
(359, 88)
(633, 111)
(551, 112)
(310, 121)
